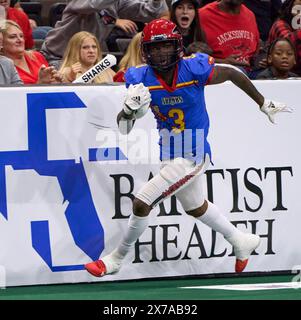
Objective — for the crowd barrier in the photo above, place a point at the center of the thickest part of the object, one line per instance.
(67, 181)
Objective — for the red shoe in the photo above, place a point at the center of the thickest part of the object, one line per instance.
(240, 265)
(96, 268)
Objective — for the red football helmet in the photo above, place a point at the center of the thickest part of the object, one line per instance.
(157, 37)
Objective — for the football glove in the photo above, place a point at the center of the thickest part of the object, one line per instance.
(271, 108)
(137, 101)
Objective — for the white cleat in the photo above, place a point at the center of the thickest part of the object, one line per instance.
(243, 246)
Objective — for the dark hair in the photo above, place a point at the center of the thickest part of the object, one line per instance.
(13, 2)
(286, 11)
(197, 33)
(272, 46)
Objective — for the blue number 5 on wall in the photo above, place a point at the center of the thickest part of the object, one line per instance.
(81, 214)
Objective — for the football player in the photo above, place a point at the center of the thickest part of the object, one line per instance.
(173, 88)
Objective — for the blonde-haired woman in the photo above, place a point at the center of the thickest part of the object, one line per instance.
(31, 66)
(132, 58)
(83, 52)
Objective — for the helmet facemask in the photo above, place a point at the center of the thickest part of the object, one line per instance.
(165, 58)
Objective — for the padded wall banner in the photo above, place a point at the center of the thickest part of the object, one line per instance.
(68, 178)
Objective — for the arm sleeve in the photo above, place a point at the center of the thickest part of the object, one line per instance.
(202, 66)
(143, 11)
(14, 76)
(87, 6)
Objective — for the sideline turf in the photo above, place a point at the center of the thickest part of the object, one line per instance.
(153, 290)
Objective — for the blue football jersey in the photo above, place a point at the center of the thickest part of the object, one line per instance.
(180, 110)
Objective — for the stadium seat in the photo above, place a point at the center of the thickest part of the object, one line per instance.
(123, 43)
(33, 10)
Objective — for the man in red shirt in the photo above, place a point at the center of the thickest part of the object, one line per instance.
(22, 20)
(231, 32)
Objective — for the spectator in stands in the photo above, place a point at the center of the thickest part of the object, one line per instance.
(132, 58)
(266, 12)
(8, 72)
(21, 19)
(231, 32)
(82, 53)
(38, 32)
(288, 26)
(31, 65)
(281, 60)
(86, 15)
(124, 28)
(184, 13)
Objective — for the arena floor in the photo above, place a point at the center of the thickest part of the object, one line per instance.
(280, 287)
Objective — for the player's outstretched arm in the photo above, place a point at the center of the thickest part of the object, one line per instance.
(270, 108)
(222, 74)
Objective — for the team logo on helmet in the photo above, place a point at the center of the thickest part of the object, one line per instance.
(159, 37)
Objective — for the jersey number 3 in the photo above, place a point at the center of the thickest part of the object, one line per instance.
(178, 116)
